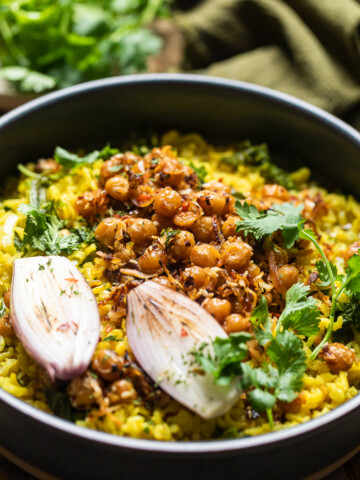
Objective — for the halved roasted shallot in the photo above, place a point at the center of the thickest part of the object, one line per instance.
(163, 328)
(55, 315)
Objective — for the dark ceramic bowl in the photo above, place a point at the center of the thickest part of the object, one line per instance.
(92, 114)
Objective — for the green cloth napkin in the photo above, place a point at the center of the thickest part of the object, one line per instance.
(307, 48)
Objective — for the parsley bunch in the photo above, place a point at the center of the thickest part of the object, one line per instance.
(46, 44)
(43, 232)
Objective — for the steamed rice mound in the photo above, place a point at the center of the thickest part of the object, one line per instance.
(323, 390)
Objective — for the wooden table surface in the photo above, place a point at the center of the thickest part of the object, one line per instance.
(349, 471)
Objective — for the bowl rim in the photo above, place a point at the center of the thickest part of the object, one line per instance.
(191, 447)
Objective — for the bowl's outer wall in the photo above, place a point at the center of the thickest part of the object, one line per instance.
(91, 119)
(109, 111)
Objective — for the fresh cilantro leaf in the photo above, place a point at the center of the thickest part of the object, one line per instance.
(324, 273)
(262, 322)
(27, 80)
(257, 156)
(169, 234)
(287, 353)
(352, 279)
(108, 152)
(2, 308)
(301, 313)
(70, 160)
(60, 405)
(43, 231)
(18, 244)
(200, 172)
(226, 361)
(284, 217)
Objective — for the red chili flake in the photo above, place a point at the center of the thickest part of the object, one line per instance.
(63, 327)
(184, 333)
(143, 197)
(185, 207)
(108, 329)
(72, 280)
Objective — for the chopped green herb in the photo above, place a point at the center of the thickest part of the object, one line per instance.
(200, 172)
(71, 160)
(60, 405)
(2, 308)
(41, 267)
(285, 217)
(169, 234)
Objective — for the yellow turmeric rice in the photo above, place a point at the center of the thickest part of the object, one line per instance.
(334, 217)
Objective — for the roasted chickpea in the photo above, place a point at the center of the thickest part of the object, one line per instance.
(108, 364)
(204, 255)
(47, 165)
(165, 282)
(253, 270)
(203, 229)
(236, 323)
(217, 187)
(352, 250)
(169, 172)
(118, 187)
(141, 230)
(7, 298)
(109, 230)
(236, 255)
(152, 260)
(85, 205)
(167, 202)
(276, 191)
(218, 307)
(182, 245)
(5, 326)
(195, 277)
(288, 275)
(84, 391)
(91, 203)
(212, 203)
(110, 168)
(229, 228)
(338, 357)
(122, 391)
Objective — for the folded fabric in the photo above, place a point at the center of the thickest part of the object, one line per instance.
(307, 48)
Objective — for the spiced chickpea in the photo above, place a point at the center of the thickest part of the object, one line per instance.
(204, 255)
(195, 277)
(5, 326)
(236, 323)
(338, 357)
(48, 165)
(203, 229)
(110, 168)
(152, 260)
(236, 255)
(212, 203)
(182, 245)
(352, 250)
(167, 202)
(122, 391)
(217, 187)
(109, 230)
(91, 203)
(165, 282)
(140, 230)
(7, 298)
(84, 391)
(288, 275)
(229, 228)
(218, 307)
(253, 270)
(276, 191)
(85, 204)
(169, 172)
(118, 187)
(108, 364)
